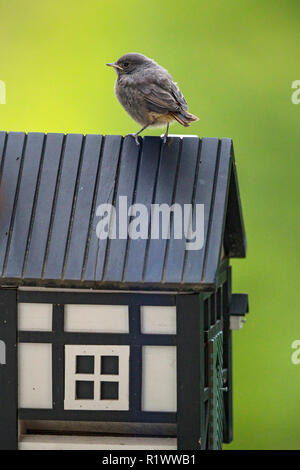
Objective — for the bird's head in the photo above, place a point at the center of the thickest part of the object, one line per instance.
(130, 62)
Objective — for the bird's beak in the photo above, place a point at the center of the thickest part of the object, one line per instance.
(114, 65)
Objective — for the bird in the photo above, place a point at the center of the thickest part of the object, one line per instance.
(148, 93)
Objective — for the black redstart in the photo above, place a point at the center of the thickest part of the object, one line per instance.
(149, 95)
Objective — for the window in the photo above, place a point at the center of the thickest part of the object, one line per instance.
(96, 377)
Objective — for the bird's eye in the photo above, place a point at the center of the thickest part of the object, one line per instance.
(125, 64)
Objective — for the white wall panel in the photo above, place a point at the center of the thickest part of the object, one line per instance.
(34, 317)
(35, 375)
(159, 389)
(158, 320)
(40, 442)
(96, 318)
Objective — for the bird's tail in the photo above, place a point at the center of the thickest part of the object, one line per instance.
(184, 118)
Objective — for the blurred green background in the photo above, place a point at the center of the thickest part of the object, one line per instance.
(235, 63)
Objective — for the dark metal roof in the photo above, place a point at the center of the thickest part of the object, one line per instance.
(52, 184)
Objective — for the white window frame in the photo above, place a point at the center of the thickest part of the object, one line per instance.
(71, 352)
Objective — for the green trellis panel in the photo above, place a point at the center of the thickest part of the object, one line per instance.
(216, 392)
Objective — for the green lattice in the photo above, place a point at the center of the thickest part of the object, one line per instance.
(216, 392)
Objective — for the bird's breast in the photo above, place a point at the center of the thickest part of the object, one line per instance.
(131, 100)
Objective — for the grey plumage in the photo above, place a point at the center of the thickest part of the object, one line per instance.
(147, 92)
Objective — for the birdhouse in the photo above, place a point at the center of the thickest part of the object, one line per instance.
(114, 334)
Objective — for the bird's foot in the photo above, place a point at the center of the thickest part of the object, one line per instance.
(165, 139)
(136, 138)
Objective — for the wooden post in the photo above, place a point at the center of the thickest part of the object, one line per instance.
(190, 372)
(8, 370)
(227, 358)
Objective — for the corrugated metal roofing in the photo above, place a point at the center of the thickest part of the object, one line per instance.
(52, 184)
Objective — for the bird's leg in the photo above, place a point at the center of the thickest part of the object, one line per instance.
(136, 135)
(166, 134)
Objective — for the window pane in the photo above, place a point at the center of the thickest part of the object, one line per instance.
(84, 364)
(84, 390)
(110, 365)
(109, 391)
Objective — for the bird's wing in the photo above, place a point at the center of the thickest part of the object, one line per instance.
(163, 97)
(178, 96)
